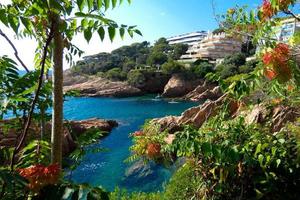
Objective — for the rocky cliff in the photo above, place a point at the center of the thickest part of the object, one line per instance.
(101, 87)
(179, 85)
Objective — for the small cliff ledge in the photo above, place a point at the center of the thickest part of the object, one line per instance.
(101, 87)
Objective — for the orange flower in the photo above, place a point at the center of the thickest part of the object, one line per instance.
(267, 10)
(270, 74)
(40, 176)
(153, 150)
(290, 88)
(276, 63)
(138, 133)
(267, 58)
(276, 101)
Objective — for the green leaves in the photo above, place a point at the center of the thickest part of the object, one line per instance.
(122, 32)
(80, 4)
(112, 33)
(14, 23)
(106, 4)
(114, 3)
(101, 33)
(88, 34)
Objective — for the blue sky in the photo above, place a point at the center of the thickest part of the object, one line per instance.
(164, 18)
(154, 18)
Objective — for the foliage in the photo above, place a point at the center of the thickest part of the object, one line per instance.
(124, 195)
(172, 67)
(226, 70)
(36, 152)
(235, 157)
(12, 185)
(135, 78)
(184, 184)
(115, 74)
(237, 59)
(201, 69)
(148, 143)
(67, 190)
(129, 57)
(178, 50)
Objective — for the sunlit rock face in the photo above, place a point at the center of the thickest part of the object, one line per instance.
(179, 85)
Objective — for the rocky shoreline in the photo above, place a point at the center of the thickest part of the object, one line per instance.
(177, 86)
(72, 130)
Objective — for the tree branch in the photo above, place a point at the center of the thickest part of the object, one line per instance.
(35, 99)
(15, 49)
(288, 12)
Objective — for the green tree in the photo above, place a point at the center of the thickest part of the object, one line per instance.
(159, 52)
(172, 67)
(53, 24)
(178, 50)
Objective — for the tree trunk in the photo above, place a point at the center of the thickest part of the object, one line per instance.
(57, 112)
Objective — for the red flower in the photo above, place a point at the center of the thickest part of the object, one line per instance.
(276, 63)
(40, 176)
(282, 49)
(153, 150)
(138, 133)
(270, 74)
(267, 58)
(267, 10)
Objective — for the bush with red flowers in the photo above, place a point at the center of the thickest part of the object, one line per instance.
(276, 63)
(153, 150)
(39, 175)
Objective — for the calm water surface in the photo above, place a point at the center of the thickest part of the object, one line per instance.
(108, 168)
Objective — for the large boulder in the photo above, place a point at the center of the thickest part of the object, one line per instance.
(195, 116)
(79, 127)
(101, 87)
(179, 85)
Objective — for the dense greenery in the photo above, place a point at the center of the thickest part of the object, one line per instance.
(135, 56)
(227, 157)
(230, 157)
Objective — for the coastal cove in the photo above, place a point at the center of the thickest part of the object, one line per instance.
(108, 169)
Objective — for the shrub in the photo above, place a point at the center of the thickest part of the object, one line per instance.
(248, 67)
(135, 78)
(237, 59)
(100, 74)
(226, 70)
(172, 67)
(243, 161)
(199, 61)
(115, 74)
(202, 69)
(118, 194)
(183, 184)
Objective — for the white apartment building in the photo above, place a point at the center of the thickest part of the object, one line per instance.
(287, 29)
(188, 38)
(213, 47)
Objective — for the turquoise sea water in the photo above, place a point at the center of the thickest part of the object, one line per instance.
(108, 168)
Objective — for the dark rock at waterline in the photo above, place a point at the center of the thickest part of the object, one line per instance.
(141, 173)
(154, 82)
(72, 129)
